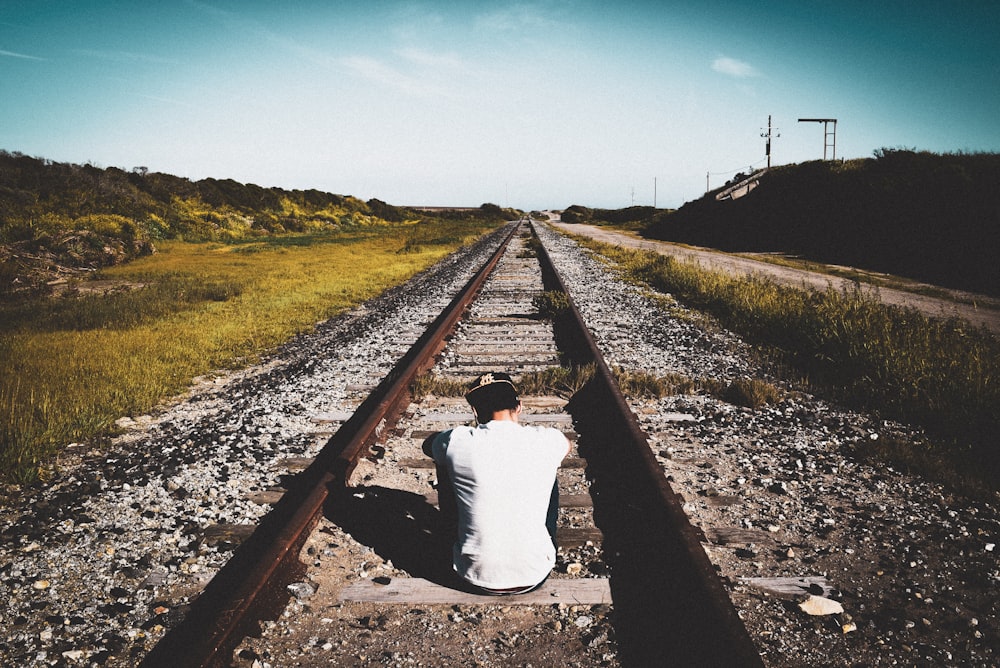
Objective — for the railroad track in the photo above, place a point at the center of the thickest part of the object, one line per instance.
(630, 565)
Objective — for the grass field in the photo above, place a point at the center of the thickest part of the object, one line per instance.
(74, 364)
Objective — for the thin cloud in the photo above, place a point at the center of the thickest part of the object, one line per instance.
(415, 72)
(125, 56)
(165, 100)
(428, 59)
(515, 18)
(734, 68)
(12, 54)
(209, 9)
(249, 28)
(380, 73)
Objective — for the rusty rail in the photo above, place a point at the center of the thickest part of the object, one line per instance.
(673, 608)
(252, 585)
(670, 603)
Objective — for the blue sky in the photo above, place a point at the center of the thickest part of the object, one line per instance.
(532, 104)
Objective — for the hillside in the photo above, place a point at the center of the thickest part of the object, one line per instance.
(931, 217)
(56, 218)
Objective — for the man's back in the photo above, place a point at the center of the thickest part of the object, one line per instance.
(502, 474)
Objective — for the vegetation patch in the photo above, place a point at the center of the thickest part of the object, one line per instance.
(748, 392)
(563, 381)
(530, 248)
(427, 384)
(642, 384)
(560, 381)
(58, 219)
(930, 217)
(551, 304)
(630, 218)
(73, 364)
(752, 393)
(941, 374)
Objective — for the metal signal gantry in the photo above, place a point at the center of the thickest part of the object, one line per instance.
(829, 137)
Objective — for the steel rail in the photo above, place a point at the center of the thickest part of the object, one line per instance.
(252, 585)
(667, 592)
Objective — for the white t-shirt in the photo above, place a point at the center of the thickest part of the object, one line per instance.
(502, 473)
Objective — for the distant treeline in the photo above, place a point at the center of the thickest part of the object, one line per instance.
(38, 196)
(926, 216)
(56, 218)
(625, 217)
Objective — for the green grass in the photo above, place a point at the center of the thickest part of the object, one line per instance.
(942, 374)
(749, 392)
(880, 280)
(551, 304)
(72, 365)
(563, 381)
(557, 380)
(642, 384)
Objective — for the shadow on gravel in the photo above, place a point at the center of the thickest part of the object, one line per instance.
(400, 526)
(666, 613)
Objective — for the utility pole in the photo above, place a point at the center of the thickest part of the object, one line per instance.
(654, 192)
(770, 133)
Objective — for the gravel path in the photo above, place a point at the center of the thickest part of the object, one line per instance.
(96, 563)
(977, 309)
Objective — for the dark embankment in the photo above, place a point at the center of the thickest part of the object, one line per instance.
(930, 217)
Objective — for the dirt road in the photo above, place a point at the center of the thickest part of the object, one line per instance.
(986, 312)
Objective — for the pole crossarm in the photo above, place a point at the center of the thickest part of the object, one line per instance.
(771, 133)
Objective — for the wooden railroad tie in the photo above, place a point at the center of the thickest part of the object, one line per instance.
(418, 591)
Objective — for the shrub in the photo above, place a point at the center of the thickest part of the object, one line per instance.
(551, 304)
(752, 393)
(650, 386)
(558, 380)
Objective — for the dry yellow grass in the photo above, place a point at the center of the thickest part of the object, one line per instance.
(73, 365)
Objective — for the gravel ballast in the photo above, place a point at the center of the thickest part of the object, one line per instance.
(914, 567)
(98, 562)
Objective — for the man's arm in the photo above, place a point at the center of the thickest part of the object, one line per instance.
(428, 444)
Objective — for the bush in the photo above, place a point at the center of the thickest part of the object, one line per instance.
(551, 304)
(577, 214)
(752, 393)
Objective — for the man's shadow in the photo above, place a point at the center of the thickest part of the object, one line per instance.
(401, 527)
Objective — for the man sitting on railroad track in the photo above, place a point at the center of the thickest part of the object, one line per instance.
(497, 490)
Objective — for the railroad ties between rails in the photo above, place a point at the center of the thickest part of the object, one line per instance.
(357, 526)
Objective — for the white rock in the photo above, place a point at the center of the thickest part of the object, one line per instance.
(301, 590)
(819, 605)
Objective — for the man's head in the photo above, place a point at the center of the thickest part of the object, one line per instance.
(492, 393)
